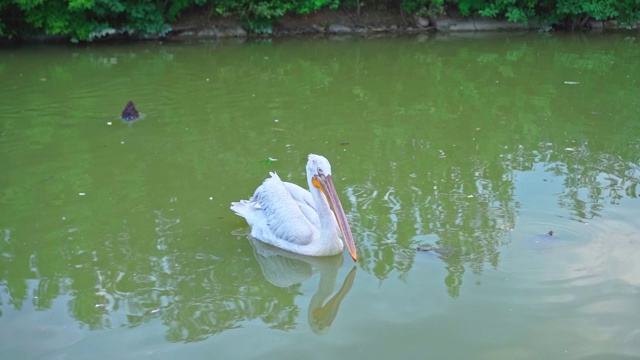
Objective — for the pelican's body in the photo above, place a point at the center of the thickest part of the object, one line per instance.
(305, 222)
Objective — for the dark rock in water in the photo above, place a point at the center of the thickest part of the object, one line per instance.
(424, 248)
(434, 250)
(130, 112)
(339, 29)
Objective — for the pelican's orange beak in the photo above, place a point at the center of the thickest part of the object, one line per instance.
(325, 184)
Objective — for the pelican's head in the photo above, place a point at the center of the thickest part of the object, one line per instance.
(319, 176)
(318, 165)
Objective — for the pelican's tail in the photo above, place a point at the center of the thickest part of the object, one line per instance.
(243, 208)
(251, 209)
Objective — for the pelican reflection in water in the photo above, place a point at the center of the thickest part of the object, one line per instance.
(304, 222)
(283, 269)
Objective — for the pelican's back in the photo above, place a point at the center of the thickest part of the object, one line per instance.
(277, 213)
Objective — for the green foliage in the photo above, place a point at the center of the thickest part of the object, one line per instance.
(261, 15)
(572, 12)
(81, 20)
(308, 6)
(86, 20)
(628, 11)
(11, 22)
(469, 7)
(423, 7)
(577, 12)
(145, 17)
(177, 6)
(597, 9)
(513, 10)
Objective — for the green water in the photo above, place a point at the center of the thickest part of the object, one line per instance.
(117, 241)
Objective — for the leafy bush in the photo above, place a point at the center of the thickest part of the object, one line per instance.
(577, 12)
(260, 15)
(86, 20)
(515, 11)
(574, 13)
(423, 7)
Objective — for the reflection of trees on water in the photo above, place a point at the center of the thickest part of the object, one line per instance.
(220, 295)
(463, 209)
(593, 180)
(196, 298)
(194, 294)
(466, 207)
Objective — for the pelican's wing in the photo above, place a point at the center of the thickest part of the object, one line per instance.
(285, 218)
(303, 198)
(298, 194)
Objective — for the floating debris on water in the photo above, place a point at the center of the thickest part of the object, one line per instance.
(572, 82)
(268, 161)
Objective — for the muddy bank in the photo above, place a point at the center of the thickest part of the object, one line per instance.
(370, 23)
(201, 25)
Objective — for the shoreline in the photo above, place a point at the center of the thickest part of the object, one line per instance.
(369, 23)
(327, 23)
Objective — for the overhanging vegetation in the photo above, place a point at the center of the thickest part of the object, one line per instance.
(86, 20)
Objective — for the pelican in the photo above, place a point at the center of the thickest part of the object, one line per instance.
(304, 222)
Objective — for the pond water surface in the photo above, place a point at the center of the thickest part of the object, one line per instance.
(117, 242)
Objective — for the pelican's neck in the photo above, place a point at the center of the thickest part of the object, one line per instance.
(329, 229)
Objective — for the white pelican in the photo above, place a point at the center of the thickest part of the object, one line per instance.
(305, 222)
